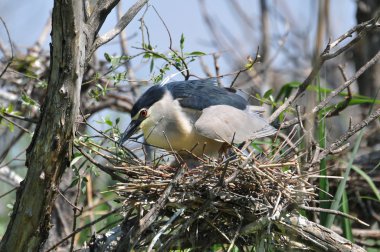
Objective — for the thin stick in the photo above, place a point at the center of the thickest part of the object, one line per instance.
(361, 29)
(11, 45)
(121, 24)
(324, 210)
(83, 227)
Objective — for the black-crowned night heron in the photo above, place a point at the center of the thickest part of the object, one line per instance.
(195, 116)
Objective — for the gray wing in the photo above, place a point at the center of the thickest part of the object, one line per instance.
(225, 123)
(200, 94)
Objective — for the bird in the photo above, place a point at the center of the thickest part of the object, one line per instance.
(196, 117)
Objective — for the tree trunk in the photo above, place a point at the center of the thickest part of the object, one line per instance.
(51, 148)
(368, 82)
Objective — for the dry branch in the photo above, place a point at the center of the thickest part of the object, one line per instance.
(121, 24)
(343, 139)
(317, 237)
(335, 92)
(327, 54)
(6, 54)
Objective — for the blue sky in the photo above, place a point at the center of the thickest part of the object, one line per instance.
(26, 18)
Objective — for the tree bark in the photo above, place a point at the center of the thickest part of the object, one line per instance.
(51, 148)
(74, 33)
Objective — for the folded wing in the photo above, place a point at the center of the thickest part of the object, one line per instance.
(229, 124)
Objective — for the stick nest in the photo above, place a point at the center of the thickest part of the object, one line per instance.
(213, 203)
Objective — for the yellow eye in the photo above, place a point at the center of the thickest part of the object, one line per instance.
(143, 113)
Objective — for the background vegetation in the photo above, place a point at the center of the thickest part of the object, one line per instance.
(64, 182)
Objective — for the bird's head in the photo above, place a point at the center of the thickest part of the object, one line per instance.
(141, 110)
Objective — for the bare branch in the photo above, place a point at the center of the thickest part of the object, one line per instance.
(106, 168)
(347, 98)
(10, 44)
(90, 224)
(15, 124)
(10, 177)
(347, 83)
(99, 15)
(325, 210)
(265, 42)
(334, 93)
(187, 75)
(361, 29)
(123, 22)
(132, 237)
(124, 49)
(341, 140)
(316, 236)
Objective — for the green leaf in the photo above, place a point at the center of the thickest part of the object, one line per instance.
(182, 41)
(287, 89)
(369, 181)
(42, 84)
(107, 57)
(108, 121)
(115, 61)
(151, 66)
(342, 184)
(346, 223)
(27, 100)
(74, 182)
(196, 53)
(75, 160)
(83, 185)
(268, 93)
(147, 55)
(9, 108)
(11, 127)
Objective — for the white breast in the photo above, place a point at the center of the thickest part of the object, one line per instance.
(168, 127)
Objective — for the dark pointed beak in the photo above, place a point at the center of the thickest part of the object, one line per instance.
(131, 129)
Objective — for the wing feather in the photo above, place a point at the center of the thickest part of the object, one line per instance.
(201, 94)
(228, 124)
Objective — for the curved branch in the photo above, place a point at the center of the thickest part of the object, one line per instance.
(10, 43)
(99, 15)
(123, 22)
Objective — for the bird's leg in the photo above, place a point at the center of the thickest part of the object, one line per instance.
(184, 157)
(148, 151)
(204, 148)
(193, 148)
(223, 151)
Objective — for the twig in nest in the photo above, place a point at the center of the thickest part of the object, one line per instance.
(132, 236)
(324, 210)
(162, 230)
(106, 168)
